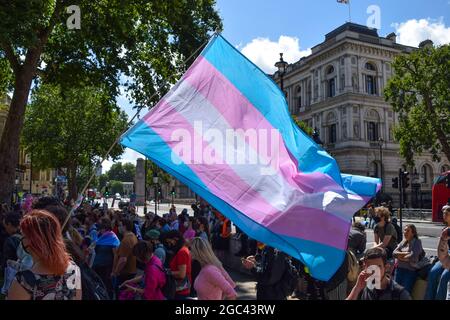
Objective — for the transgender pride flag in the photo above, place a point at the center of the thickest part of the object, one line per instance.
(225, 131)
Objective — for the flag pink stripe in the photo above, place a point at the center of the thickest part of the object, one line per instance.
(312, 224)
(226, 184)
(221, 93)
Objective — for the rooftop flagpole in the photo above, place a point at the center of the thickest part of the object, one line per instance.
(349, 11)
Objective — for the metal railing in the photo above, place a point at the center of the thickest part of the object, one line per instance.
(414, 214)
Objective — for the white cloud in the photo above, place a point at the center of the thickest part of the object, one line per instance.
(413, 31)
(264, 52)
(128, 156)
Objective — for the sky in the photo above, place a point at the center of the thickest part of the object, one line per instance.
(261, 29)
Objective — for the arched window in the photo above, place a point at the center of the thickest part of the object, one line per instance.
(331, 88)
(370, 66)
(331, 82)
(370, 77)
(330, 70)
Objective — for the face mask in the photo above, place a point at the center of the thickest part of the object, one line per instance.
(186, 224)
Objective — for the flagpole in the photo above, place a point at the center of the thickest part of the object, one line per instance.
(349, 12)
(215, 34)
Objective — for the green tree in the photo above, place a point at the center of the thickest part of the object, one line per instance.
(115, 187)
(302, 125)
(102, 181)
(71, 129)
(135, 43)
(419, 91)
(129, 172)
(122, 172)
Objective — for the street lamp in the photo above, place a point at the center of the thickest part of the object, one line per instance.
(316, 137)
(155, 182)
(172, 185)
(380, 144)
(282, 66)
(145, 187)
(17, 190)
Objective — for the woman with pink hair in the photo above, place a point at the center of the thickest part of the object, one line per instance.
(53, 276)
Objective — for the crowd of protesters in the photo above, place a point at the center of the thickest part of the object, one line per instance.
(100, 254)
(96, 254)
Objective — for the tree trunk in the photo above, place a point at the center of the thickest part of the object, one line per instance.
(72, 181)
(10, 139)
(24, 74)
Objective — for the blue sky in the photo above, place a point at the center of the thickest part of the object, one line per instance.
(311, 20)
(263, 28)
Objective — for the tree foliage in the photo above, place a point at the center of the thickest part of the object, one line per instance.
(115, 187)
(71, 129)
(135, 43)
(302, 125)
(419, 91)
(122, 172)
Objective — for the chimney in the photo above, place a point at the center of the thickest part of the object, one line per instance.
(426, 43)
(392, 36)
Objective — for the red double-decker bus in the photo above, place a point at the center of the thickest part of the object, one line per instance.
(440, 195)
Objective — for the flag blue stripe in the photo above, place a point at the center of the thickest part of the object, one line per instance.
(265, 95)
(322, 260)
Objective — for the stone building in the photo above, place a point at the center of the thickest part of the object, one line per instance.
(338, 89)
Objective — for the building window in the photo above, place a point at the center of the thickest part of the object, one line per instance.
(332, 134)
(427, 174)
(445, 168)
(331, 88)
(375, 173)
(372, 131)
(370, 85)
(330, 70)
(370, 67)
(299, 96)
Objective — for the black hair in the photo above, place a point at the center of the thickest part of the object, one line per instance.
(376, 253)
(128, 224)
(176, 235)
(61, 214)
(12, 218)
(204, 221)
(44, 202)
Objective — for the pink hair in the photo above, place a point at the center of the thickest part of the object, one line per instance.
(43, 232)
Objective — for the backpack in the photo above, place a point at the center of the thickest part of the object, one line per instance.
(92, 285)
(289, 280)
(170, 287)
(353, 267)
(399, 233)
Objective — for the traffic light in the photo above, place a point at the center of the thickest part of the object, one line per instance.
(159, 190)
(173, 191)
(405, 180)
(395, 183)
